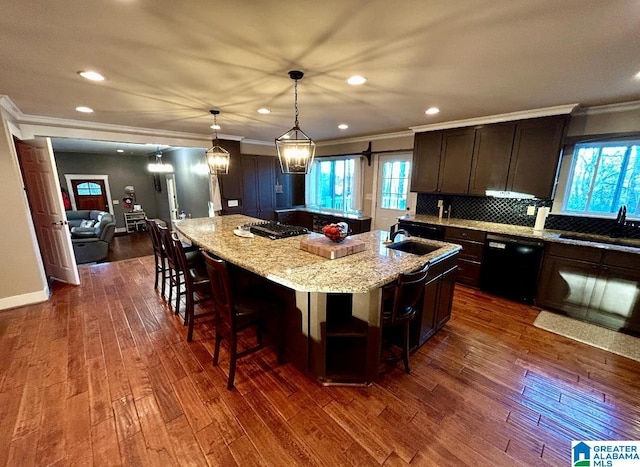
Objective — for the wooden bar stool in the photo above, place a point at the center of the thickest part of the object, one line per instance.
(159, 254)
(400, 302)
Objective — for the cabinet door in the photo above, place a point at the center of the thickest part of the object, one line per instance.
(427, 324)
(231, 183)
(491, 155)
(455, 161)
(445, 298)
(567, 284)
(258, 186)
(616, 299)
(536, 155)
(426, 162)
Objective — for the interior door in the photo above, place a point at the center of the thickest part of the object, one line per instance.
(41, 183)
(394, 174)
(173, 199)
(90, 194)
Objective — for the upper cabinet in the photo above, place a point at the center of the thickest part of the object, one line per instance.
(519, 156)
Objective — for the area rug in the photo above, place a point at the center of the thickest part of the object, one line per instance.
(596, 336)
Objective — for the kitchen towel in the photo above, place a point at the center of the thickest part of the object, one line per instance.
(541, 217)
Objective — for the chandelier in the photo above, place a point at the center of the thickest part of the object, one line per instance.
(158, 166)
(295, 148)
(217, 157)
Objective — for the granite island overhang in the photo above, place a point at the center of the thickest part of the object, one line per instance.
(319, 283)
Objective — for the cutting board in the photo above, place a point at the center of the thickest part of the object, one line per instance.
(324, 247)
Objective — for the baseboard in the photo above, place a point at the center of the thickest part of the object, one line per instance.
(25, 299)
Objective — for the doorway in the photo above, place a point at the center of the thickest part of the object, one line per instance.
(392, 189)
(172, 197)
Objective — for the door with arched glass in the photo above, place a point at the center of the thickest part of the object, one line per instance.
(90, 194)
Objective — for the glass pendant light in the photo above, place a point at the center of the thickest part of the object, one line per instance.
(217, 157)
(158, 166)
(295, 148)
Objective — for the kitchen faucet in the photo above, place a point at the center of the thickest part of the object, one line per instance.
(392, 237)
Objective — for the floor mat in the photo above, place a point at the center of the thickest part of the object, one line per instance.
(596, 336)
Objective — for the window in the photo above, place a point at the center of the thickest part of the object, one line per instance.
(89, 189)
(395, 184)
(333, 184)
(603, 177)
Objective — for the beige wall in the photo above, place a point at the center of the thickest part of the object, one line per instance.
(21, 275)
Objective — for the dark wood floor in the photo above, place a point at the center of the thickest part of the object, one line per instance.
(127, 246)
(102, 375)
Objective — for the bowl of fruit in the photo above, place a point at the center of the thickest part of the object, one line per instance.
(336, 232)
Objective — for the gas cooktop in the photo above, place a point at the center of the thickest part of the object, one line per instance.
(275, 230)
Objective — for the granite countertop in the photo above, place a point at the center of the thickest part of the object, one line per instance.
(595, 241)
(282, 261)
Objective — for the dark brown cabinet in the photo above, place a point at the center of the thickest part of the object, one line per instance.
(491, 156)
(520, 156)
(436, 302)
(590, 284)
(426, 162)
(315, 221)
(536, 156)
(258, 186)
(470, 257)
(231, 183)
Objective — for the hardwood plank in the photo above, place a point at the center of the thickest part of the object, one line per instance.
(184, 443)
(77, 430)
(126, 417)
(159, 447)
(99, 395)
(194, 409)
(104, 443)
(214, 448)
(51, 442)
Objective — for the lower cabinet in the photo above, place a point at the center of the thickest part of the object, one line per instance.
(436, 304)
(470, 258)
(598, 286)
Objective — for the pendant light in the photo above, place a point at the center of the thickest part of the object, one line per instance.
(158, 166)
(295, 148)
(216, 156)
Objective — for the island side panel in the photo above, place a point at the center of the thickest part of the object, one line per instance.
(367, 307)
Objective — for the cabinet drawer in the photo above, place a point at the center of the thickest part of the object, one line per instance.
(581, 253)
(621, 259)
(468, 272)
(465, 234)
(470, 250)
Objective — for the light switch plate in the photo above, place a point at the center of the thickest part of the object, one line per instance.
(531, 210)
(115, 201)
(440, 203)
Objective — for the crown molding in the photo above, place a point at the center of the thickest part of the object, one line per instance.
(507, 117)
(365, 139)
(608, 108)
(7, 104)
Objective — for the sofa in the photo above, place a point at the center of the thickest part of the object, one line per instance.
(91, 234)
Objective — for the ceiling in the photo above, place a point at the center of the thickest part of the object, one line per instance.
(168, 63)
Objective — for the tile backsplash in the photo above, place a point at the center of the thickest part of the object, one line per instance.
(514, 211)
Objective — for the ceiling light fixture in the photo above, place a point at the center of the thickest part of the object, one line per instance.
(84, 109)
(91, 75)
(432, 111)
(638, 75)
(120, 150)
(264, 111)
(343, 126)
(158, 166)
(295, 148)
(356, 80)
(216, 156)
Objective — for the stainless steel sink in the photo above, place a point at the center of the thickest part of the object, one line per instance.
(601, 239)
(413, 247)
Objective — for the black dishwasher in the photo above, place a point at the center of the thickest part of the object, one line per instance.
(510, 267)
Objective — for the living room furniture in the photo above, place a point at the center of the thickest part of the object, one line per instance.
(91, 234)
(135, 221)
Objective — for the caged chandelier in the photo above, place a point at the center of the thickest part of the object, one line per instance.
(217, 157)
(295, 148)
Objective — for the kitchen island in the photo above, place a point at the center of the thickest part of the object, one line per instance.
(333, 312)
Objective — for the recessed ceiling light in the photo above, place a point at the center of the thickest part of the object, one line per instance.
(85, 110)
(215, 127)
(343, 126)
(638, 75)
(91, 75)
(119, 150)
(264, 111)
(432, 111)
(356, 80)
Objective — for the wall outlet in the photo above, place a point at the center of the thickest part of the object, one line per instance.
(531, 210)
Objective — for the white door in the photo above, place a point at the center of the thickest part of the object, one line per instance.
(392, 193)
(173, 199)
(40, 178)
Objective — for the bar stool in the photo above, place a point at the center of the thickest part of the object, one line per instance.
(400, 302)
(237, 311)
(196, 281)
(159, 254)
